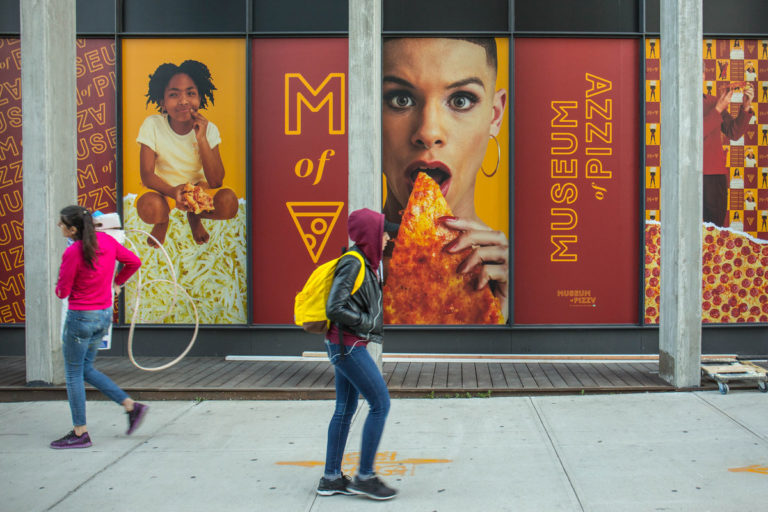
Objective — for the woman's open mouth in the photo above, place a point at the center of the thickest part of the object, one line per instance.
(435, 170)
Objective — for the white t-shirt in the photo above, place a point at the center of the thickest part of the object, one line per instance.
(177, 156)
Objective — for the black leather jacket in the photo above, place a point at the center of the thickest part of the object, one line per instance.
(362, 313)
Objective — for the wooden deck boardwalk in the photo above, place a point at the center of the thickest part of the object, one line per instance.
(312, 378)
(217, 377)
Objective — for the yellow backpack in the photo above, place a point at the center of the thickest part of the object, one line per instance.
(309, 306)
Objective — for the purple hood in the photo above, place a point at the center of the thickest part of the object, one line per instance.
(366, 229)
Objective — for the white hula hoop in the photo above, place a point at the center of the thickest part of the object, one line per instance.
(137, 306)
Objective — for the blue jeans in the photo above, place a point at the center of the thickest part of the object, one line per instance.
(83, 331)
(355, 373)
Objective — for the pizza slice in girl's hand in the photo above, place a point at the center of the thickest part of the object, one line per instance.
(197, 198)
(422, 284)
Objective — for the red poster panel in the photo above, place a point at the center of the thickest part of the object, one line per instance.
(96, 144)
(576, 181)
(11, 211)
(299, 167)
(96, 127)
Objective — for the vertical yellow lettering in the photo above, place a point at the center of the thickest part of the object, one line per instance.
(570, 146)
(561, 114)
(595, 169)
(560, 254)
(571, 219)
(597, 85)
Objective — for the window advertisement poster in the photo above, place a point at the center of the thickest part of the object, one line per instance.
(96, 145)
(735, 181)
(299, 167)
(576, 181)
(11, 190)
(445, 157)
(184, 169)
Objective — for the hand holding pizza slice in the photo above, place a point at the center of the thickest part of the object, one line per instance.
(488, 257)
(197, 199)
(426, 282)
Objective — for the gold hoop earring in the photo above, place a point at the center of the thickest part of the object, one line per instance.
(498, 159)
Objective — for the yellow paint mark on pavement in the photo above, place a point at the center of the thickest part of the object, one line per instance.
(755, 468)
(386, 463)
(304, 463)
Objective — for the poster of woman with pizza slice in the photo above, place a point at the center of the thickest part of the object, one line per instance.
(442, 115)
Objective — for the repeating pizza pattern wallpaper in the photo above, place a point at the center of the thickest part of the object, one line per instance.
(734, 254)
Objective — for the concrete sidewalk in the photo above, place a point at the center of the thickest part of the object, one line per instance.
(632, 452)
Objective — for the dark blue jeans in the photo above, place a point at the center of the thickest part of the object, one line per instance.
(83, 331)
(355, 373)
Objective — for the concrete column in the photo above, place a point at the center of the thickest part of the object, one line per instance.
(681, 192)
(48, 89)
(365, 112)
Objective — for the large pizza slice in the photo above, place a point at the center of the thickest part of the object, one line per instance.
(422, 284)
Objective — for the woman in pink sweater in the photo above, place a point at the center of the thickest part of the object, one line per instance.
(86, 279)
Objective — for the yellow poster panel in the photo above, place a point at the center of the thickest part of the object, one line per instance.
(444, 113)
(183, 104)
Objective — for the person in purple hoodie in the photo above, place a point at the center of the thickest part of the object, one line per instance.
(356, 320)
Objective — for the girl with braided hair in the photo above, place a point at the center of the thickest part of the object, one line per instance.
(179, 148)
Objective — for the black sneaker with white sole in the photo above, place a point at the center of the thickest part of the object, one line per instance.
(338, 486)
(373, 488)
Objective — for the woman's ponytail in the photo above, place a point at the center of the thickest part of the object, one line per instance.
(82, 220)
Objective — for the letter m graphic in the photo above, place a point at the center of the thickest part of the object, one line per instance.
(329, 94)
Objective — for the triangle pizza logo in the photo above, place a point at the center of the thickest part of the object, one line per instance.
(315, 222)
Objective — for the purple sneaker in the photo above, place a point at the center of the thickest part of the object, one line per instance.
(136, 416)
(72, 441)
